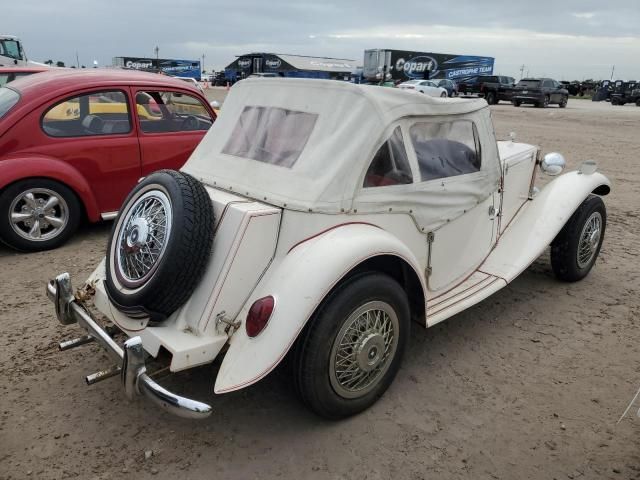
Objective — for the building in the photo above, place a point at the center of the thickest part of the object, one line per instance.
(285, 65)
(173, 67)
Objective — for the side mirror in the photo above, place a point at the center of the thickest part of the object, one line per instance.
(214, 104)
(553, 163)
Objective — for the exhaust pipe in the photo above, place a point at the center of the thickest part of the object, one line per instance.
(76, 342)
(102, 375)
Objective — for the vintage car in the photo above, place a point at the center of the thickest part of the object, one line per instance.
(70, 150)
(317, 219)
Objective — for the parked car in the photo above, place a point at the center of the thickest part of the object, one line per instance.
(419, 215)
(70, 149)
(192, 81)
(540, 92)
(9, 74)
(449, 85)
(625, 92)
(494, 88)
(428, 87)
(467, 86)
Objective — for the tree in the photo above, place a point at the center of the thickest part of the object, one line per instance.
(59, 64)
(48, 62)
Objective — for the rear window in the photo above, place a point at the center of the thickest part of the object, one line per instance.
(488, 79)
(529, 83)
(271, 135)
(8, 98)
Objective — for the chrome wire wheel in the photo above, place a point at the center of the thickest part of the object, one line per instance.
(363, 349)
(143, 237)
(38, 214)
(589, 240)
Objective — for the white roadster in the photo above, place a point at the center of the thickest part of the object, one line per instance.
(315, 220)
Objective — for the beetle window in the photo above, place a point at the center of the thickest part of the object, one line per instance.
(160, 112)
(390, 165)
(97, 113)
(8, 98)
(446, 149)
(271, 135)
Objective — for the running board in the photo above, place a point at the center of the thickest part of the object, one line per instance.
(473, 290)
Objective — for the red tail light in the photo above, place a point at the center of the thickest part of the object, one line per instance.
(259, 315)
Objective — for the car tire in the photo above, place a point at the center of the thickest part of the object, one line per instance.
(490, 97)
(516, 103)
(38, 214)
(443, 95)
(321, 384)
(563, 102)
(575, 249)
(159, 246)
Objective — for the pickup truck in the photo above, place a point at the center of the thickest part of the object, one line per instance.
(495, 88)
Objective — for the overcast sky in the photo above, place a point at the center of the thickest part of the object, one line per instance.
(564, 39)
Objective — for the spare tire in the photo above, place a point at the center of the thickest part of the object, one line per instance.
(160, 245)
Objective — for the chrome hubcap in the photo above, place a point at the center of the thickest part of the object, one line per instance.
(363, 349)
(143, 238)
(38, 214)
(589, 239)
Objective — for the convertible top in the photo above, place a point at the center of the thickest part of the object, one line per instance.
(345, 123)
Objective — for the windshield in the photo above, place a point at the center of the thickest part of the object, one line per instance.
(8, 98)
(11, 49)
(529, 83)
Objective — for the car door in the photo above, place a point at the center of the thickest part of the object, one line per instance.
(428, 88)
(449, 157)
(93, 132)
(171, 123)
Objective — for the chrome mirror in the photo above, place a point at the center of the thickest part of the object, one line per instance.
(553, 163)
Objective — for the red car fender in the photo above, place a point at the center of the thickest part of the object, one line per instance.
(19, 168)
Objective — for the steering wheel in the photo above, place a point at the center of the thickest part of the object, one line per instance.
(189, 123)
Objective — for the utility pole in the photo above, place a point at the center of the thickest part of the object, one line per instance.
(613, 69)
(202, 66)
(522, 71)
(77, 60)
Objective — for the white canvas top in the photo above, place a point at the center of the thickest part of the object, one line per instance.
(351, 122)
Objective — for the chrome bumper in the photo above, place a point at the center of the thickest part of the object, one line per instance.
(132, 368)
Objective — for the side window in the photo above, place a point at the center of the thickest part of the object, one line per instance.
(390, 164)
(96, 113)
(446, 149)
(161, 112)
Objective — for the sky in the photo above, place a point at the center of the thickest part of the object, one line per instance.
(562, 39)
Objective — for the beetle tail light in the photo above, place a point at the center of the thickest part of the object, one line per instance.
(259, 315)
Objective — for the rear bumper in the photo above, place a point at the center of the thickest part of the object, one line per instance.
(129, 360)
(527, 98)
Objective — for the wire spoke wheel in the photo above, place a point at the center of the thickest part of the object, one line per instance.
(38, 214)
(363, 349)
(589, 239)
(143, 238)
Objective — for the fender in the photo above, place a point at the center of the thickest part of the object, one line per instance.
(539, 221)
(19, 168)
(299, 283)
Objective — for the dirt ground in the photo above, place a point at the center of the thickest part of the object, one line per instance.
(528, 384)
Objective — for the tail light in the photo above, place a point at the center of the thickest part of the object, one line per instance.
(259, 315)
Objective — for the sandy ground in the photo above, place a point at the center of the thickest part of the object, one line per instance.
(528, 384)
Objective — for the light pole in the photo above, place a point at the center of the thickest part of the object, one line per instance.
(156, 51)
(202, 70)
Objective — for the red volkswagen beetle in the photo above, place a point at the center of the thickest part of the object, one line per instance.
(74, 143)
